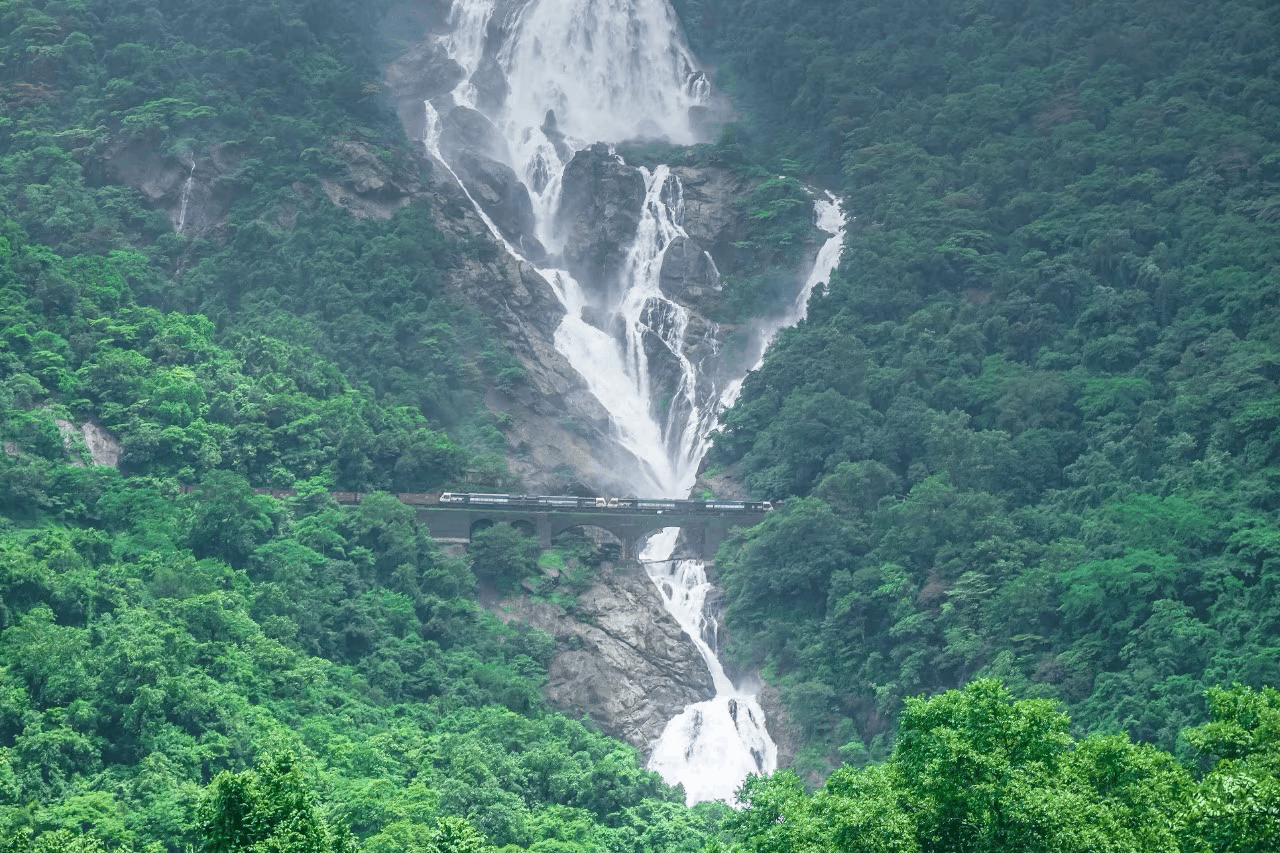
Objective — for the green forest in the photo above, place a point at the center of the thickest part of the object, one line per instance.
(1024, 592)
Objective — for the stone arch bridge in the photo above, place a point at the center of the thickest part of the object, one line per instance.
(455, 517)
(704, 529)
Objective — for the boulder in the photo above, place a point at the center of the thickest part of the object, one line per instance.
(499, 192)
(424, 72)
(601, 200)
(491, 85)
(464, 130)
(551, 129)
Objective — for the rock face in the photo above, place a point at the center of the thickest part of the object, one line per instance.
(466, 131)
(491, 85)
(503, 197)
(103, 449)
(688, 275)
(787, 736)
(369, 189)
(425, 72)
(601, 200)
(189, 190)
(624, 662)
(557, 426)
(711, 216)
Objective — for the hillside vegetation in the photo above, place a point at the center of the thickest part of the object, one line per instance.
(1032, 431)
(218, 670)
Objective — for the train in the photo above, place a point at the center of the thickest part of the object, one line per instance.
(655, 505)
(535, 502)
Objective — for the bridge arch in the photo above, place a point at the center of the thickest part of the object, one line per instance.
(605, 541)
(481, 524)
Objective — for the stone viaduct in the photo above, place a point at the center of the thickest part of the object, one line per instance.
(704, 530)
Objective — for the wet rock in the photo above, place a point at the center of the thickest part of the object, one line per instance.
(712, 218)
(787, 736)
(491, 85)
(688, 273)
(666, 374)
(464, 130)
(504, 199)
(189, 191)
(556, 428)
(424, 72)
(600, 205)
(623, 661)
(551, 129)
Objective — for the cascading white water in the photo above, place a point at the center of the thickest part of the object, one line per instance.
(608, 70)
(186, 198)
(611, 70)
(830, 218)
(714, 745)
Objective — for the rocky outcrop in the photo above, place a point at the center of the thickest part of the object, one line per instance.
(557, 428)
(787, 736)
(466, 131)
(491, 85)
(601, 200)
(103, 448)
(369, 188)
(622, 659)
(190, 190)
(722, 484)
(689, 275)
(423, 73)
(478, 153)
(711, 216)
(504, 198)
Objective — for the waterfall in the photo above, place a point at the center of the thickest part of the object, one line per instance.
(552, 77)
(829, 218)
(186, 197)
(712, 746)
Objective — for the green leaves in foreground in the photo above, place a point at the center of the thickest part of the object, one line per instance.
(975, 771)
(267, 808)
(1238, 807)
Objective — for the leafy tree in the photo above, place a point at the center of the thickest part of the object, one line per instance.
(270, 807)
(1238, 800)
(503, 555)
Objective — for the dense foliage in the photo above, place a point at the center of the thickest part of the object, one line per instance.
(161, 643)
(265, 98)
(1032, 432)
(220, 670)
(974, 771)
(1033, 429)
